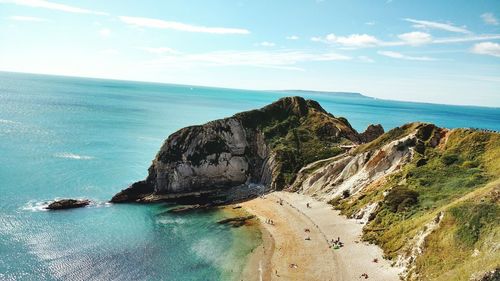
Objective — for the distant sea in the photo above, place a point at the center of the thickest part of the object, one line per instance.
(89, 138)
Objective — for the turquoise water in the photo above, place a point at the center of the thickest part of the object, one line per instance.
(89, 138)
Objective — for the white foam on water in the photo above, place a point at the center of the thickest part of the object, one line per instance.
(5, 121)
(68, 155)
(35, 206)
(209, 250)
(165, 220)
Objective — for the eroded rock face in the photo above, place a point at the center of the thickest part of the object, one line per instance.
(355, 171)
(371, 133)
(260, 146)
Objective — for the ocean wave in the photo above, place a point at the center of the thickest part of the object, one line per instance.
(5, 121)
(35, 206)
(68, 155)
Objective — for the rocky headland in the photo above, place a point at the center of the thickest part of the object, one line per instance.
(429, 197)
(266, 146)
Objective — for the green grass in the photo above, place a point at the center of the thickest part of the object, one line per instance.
(472, 219)
(391, 135)
(461, 178)
(300, 141)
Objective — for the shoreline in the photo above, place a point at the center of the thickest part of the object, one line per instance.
(259, 258)
(286, 254)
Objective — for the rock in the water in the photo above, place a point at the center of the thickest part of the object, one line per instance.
(237, 221)
(67, 204)
(183, 209)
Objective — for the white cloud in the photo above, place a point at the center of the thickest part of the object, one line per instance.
(292, 37)
(161, 24)
(353, 40)
(396, 55)
(406, 39)
(266, 44)
(416, 38)
(489, 18)
(282, 59)
(52, 6)
(104, 32)
(370, 23)
(487, 48)
(437, 25)
(366, 59)
(159, 50)
(27, 18)
(466, 39)
(109, 52)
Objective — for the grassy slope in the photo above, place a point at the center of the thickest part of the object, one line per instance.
(299, 132)
(298, 142)
(460, 178)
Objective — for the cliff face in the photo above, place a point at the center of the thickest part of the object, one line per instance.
(266, 146)
(351, 172)
(428, 196)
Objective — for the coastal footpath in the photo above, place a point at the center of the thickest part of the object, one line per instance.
(419, 201)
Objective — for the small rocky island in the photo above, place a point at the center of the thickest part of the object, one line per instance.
(266, 147)
(67, 204)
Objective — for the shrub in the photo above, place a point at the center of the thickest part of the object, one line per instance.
(400, 199)
(346, 193)
(335, 201)
(449, 159)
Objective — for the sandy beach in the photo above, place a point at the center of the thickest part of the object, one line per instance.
(288, 252)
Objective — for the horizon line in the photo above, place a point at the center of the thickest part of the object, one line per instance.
(246, 89)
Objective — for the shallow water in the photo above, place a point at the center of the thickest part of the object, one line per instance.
(88, 138)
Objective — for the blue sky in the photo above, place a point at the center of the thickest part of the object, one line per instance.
(431, 51)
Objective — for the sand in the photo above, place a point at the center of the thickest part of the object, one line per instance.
(285, 254)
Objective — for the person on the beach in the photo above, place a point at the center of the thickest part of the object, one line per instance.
(307, 205)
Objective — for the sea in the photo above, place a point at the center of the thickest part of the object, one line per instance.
(67, 137)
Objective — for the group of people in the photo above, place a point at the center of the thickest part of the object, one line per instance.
(336, 244)
(270, 221)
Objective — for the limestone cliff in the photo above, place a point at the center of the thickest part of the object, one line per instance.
(430, 197)
(265, 146)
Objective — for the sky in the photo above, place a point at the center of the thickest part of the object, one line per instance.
(445, 51)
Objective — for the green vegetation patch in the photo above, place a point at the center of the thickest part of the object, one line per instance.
(300, 141)
(473, 219)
